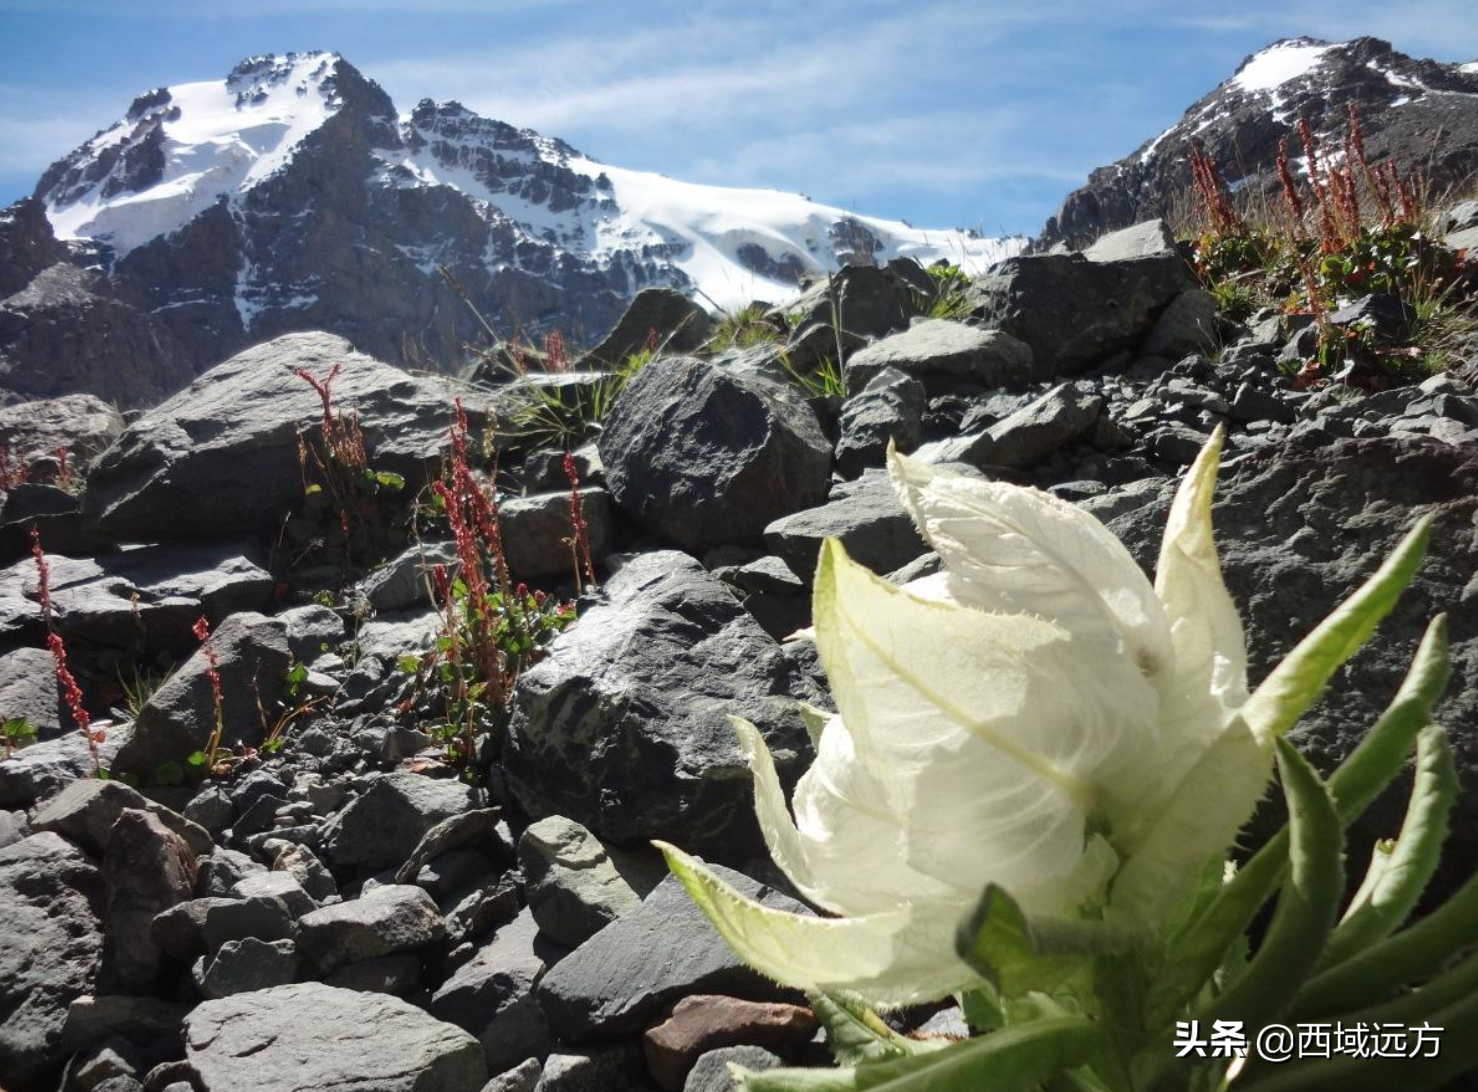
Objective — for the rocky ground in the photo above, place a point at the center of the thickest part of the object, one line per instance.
(346, 912)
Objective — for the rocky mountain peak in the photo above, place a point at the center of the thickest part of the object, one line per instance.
(1404, 103)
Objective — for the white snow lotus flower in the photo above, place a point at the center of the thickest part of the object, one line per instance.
(1039, 720)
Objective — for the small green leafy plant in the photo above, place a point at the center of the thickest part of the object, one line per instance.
(16, 732)
(744, 329)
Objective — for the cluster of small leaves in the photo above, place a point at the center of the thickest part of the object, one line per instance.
(744, 329)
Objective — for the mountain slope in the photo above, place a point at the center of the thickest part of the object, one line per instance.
(1423, 112)
(292, 195)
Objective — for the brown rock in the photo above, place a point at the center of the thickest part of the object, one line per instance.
(148, 868)
(706, 1022)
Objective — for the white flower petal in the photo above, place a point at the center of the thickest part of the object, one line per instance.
(901, 957)
(1020, 550)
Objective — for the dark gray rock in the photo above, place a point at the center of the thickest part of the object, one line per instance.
(29, 689)
(710, 1073)
(223, 870)
(1188, 325)
(865, 515)
(148, 869)
(392, 918)
(139, 600)
(179, 717)
(703, 456)
(309, 629)
(492, 995)
(680, 325)
(1251, 404)
(397, 974)
(537, 530)
(82, 423)
(280, 885)
(241, 966)
(1032, 433)
(1073, 312)
(1385, 315)
(943, 355)
(523, 1077)
(381, 828)
(623, 728)
(236, 919)
(889, 409)
(52, 953)
(873, 300)
(406, 580)
(42, 769)
(85, 811)
(222, 457)
(574, 888)
(314, 1036)
(629, 972)
(598, 1070)
(480, 830)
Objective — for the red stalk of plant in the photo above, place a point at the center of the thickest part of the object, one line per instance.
(70, 690)
(579, 539)
(201, 629)
(64, 473)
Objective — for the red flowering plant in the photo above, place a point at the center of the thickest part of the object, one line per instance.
(352, 515)
(492, 628)
(71, 692)
(213, 757)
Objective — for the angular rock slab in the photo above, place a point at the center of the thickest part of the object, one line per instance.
(623, 726)
(383, 827)
(1072, 311)
(941, 354)
(704, 456)
(624, 976)
(51, 897)
(310, 1036)
(868, 518)
(221, 457)
(680, 325)
(82, 423)
(392, 918)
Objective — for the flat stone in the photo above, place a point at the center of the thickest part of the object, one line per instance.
(536, 530)
(241, 966)
(1032, 433)
(865, 515)
(84, 813)
(702, 1023)
(711, 1073)
(312, 1036)
(1142, 240)
(618, 980)
(599, 1070)
(390, 919)
(943, 354)
(381, 828)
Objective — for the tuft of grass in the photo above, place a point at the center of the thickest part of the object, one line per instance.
(950, 298)
(744, 329)
(823, 381)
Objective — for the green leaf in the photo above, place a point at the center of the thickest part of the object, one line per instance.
(1017, 955)
(170, 773)
(1014, 1059)
(1306, 905)
(1386, 898)
(856, 1034)
(389, 479)
(1200, 949)
(196, 758)
(313, 489)
(409, 664)
(1296, 683)
(983, 1009)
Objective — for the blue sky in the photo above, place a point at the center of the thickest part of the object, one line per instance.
(942, 113)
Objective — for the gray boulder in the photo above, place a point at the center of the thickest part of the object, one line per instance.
(1073, 312)
(944, 354)
(179, 717)
(405, 581)
(29, 689)
(222, 456)
(632, 970)
(1188, 325)
(680, 324)
(710, 1073)
(84, 813)
(574, 888)
(242, 966)
(623, 726)
(704, 456)
(82, 423)
(602, 1069)
(381, 828)
(1033, 432)
(536, 531)
(312, 1036)
(390, 919)
(52, 953)
(865, 515)
(42, 769)
(873, 300)
(889, 409)
(492, 995)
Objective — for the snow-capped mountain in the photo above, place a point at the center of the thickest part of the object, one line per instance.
(1423, 112)
(292, 195)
